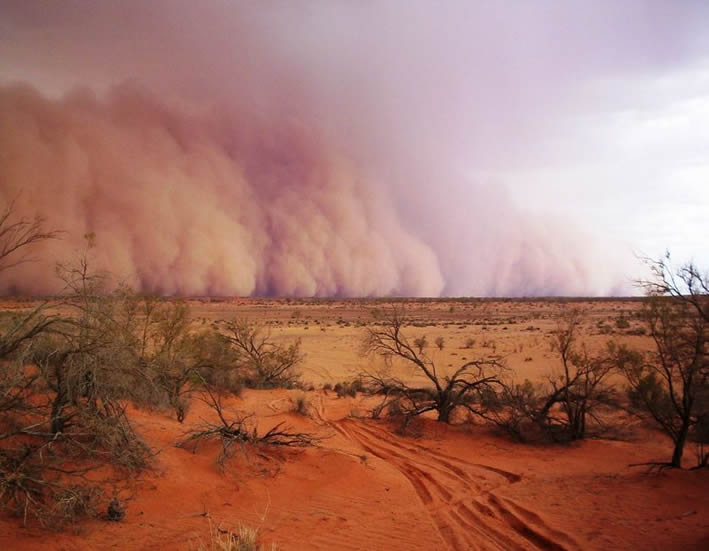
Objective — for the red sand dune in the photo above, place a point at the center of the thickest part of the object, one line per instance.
(364, 487)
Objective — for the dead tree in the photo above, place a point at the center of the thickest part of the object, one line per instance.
(265, 363)
(580, 388)
(563, 407)
(688, 284)
(237, 430)
(444, 392)
(17, 235)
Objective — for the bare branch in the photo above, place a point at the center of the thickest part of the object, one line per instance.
(19, 234)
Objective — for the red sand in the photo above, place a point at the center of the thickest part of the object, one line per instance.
(459, 487)
(365, 488)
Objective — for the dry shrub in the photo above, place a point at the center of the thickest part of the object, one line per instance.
(445, 391)
(568, 405)
(263, 362)
(244, 538)
(64, 433)
(348, 388)
(45, 491)
(238, 431)
(301, 405)
(403, 422)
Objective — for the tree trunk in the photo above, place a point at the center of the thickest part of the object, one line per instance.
(579, 425)
(679, 444)
(444, 411)
(57, 419)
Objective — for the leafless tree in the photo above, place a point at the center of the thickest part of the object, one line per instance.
(580, 389)
(445, 390)
(17, 237)
(18, 234)
(688, 283)
(266, 363)
(562, 407)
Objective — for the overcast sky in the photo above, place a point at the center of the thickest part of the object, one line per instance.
(527, 147)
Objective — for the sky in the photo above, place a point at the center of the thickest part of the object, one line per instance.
(372, 148)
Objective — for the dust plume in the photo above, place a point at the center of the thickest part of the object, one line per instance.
(330, 148)
(225, 204)
(201, 204)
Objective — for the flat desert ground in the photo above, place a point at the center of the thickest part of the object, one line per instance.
(363, 486)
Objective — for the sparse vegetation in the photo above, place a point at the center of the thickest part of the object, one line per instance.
(446, 391)
(172, 353)
(70, 373)
(622, 322)
(348, 388)
(421, 343)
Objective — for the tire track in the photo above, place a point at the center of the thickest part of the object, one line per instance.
(413, 446)
(530, 525)
(434, 493)
(459, 495)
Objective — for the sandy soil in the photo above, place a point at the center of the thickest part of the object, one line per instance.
(363, 487)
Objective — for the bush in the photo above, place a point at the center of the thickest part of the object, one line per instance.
(64, 421)
(348, 388)
(264, 363)
(650, 390)
(301, 405)
(514, 409)
(65, 433)
(444, 393)
(242, 539)
(564, 407)
(421, 343)
(622, 323)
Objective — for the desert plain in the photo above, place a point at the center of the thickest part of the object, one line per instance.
(367, 485)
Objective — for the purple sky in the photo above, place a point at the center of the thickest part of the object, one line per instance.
(361, 148)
